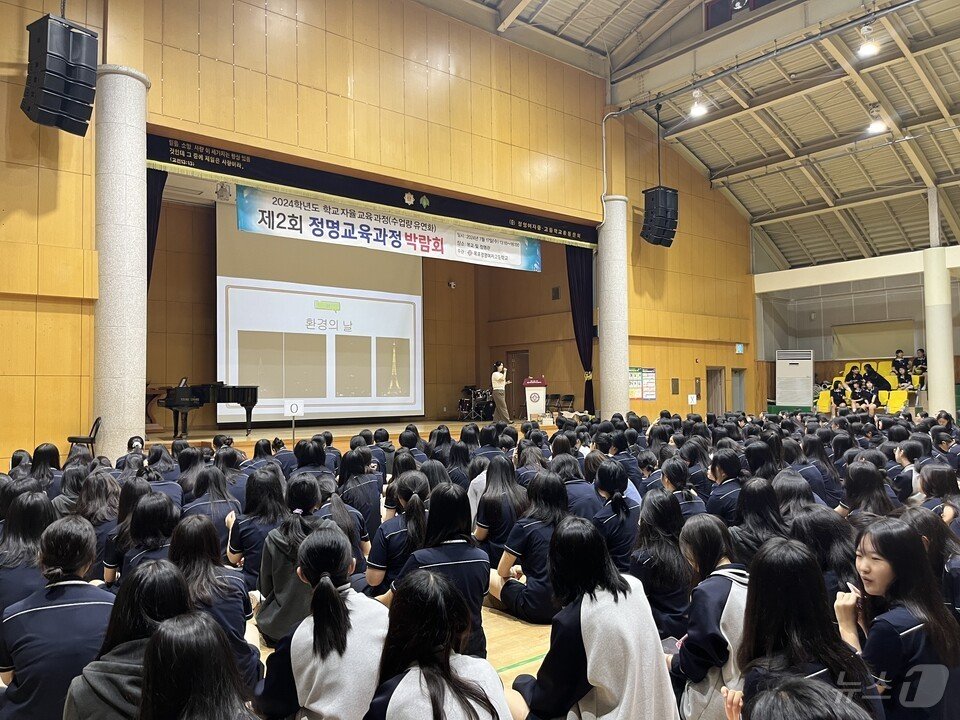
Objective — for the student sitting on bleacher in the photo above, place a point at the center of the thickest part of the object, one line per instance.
(878, 380)
(838, 397)
(900, 362)
(853, 377)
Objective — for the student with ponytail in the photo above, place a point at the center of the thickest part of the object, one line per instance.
(400, 535)
(422, 673)
(618, 518)
(347, 519)
(314, 671)
(675, 478)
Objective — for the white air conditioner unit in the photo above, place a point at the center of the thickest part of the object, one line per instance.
(795, 378)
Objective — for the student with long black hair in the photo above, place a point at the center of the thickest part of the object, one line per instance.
(66, 502)
(601, 636)
(865, 491)
(435, 472)
(707, 658)
(350, 521)
(813, 450)
(189, 673)
(457, 464)
(162, 461)
(530, 461)
(286, 601)
(796, 636)
(45, 467)
(761, 461)
(228, 460)
(118, 540)
(47, 638)
(695, 453)
(724, 474)
(675, 479)
(502, 502)
(906, 621)
(171, 488)
(99, 503)
(314, 671)
(760, 516)
(582, 496)
(448, 548)
(617, 519)
(943, 550)
(529, 543)
(399, 536)
(361, 487)
(214, 500)
(29, 515)
(264, 511)
(660, 565)
(152, 522)
(939, 491)
(215, 589)
(191, 463)
(831, 539)
(422, 673)
(110, 687)
(262, 454)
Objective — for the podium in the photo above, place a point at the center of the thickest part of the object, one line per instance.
(536, 393)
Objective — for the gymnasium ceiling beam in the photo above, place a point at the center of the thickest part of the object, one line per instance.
(655, 25)
(510, 10)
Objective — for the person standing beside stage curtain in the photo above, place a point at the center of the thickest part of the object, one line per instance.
(499, 382)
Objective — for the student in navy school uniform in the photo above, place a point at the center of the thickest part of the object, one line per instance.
(264, 511)
(448, 549)
(760, 519)
(582, 496)
(831, 539)
(617, 519)
(66, 502)
(939, 491)
(812, 448)
(530, 461)
(46, 468)
(707, 656)
(110, 687)
(311, 459)
(529, 544)
(399, 536)
(794, 458)
(907, 624)
(943, 443)
(403, 462)
(603, 634)
(285, 458)
(623, 456)
(152, 522)
(191, 463)
(314, 671)
(649, 472)
(170, 488)
(118, 539)
(592, 462)
(501, 503)
(332, 455)
(865, 491)
(135, 445)
(943, 551)
(99, 503)
(697, 458)
(228, 460)
(908, 454)
(675, 479)
(29, 515)
(361, 487)
(162, 461)
(408, 439)
(189, 673)
(457, 465)
(659, 564)
(422, 673)
(47, 638)
(724, 473)
(215, 589)
(379, 456)
(489, 446)
(215, 501)
(351, 522)
(435, 472)
(788, 629)
(262, 454)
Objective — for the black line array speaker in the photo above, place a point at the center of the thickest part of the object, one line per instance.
(61, 74)
(660, 208)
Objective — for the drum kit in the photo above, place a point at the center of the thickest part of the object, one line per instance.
(475, 404)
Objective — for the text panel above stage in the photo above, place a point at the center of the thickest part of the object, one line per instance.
(284, 215)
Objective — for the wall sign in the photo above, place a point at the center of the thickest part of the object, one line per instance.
(643, 383)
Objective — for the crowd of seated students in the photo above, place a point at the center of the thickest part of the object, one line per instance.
(791, 566)
(860, 390)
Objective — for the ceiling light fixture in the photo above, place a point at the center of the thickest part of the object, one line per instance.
(877, 125)
(868, 46)
(699, 107)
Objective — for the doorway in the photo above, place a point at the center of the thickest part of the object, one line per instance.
(739, 377)
(715, 391)
(518, 368)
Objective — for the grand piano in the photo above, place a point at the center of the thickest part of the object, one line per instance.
(184, 398)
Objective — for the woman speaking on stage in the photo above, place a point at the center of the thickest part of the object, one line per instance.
(499, 382)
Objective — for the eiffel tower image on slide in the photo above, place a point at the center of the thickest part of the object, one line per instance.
(394, 388)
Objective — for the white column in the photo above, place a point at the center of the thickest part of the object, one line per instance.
(613, 327)
(120, 333)
(938, 321)
(933, 216)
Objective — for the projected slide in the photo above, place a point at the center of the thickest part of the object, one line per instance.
(343, 352)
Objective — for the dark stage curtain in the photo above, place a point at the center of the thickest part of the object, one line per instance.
(156, 179)
(580, 281)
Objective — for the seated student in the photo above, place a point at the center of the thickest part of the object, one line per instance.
(870, 375)
(697, 457)
(228, 461)
(284, 457)
(263, 512)
(647, 462)
(66, 502)
(435, 472)
(870, 400)
(314, 671)
(617, 519)
(853, 377)
(529, 543)
(724, 473)
(812, 449)
(365, 439)
(160, 460)
(215, 589)
(904, 380)
(422, 672)
(838, 397)
(170, 488)
(502, 502)
(675, 479)
(215, 501)
(403, 462)
(707, 658)
(659, 564)
(918, 366)
(489, 444)
(286, 601)
(45, 468)
(191, 463)
(939, 492)
(477, 474)
(408, 439)
(604, 632)
(582, 497)
(761, 521)
(788, 628)
(99, 502)
(399, 536)
(900, 362)
(794, 458)
(858, 397)
(448, 549)
(47, 638)
(350, 521)
(831, 539)
(907, 624)
(361, 487)
(381, 438)
(135, 445)
(457, 464)
(29, 515)
(189, 673)
(530, 461)
(798, 698)
(943, 552)
(943, 443)
(908, 454)
(620, 452)
(118, 540)
(262, 454)
(152, 522)
(110, 686)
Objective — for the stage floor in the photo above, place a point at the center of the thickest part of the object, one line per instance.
(341, 433)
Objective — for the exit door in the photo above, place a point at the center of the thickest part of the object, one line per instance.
(739, 377)
(715, 391)
(518, 368)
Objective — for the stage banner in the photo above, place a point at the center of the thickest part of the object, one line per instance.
(269, 213)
